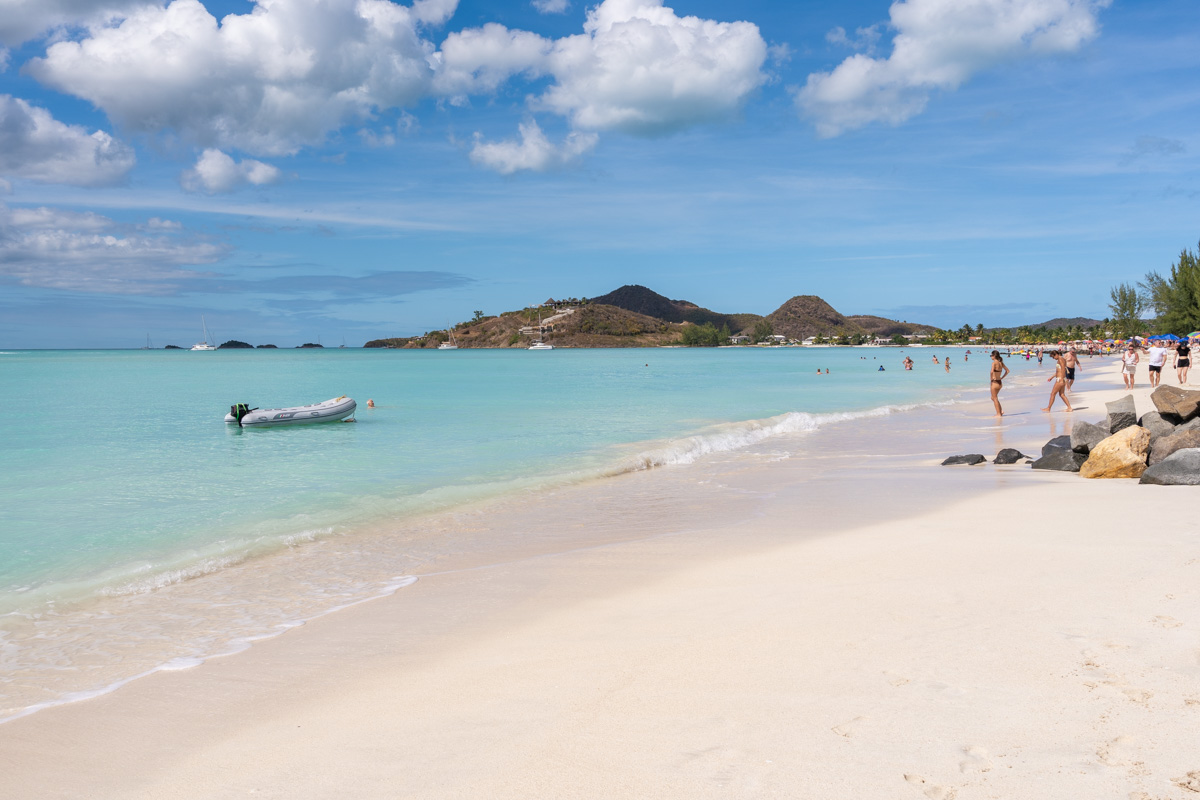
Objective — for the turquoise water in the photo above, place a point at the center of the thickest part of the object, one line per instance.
(121, 476)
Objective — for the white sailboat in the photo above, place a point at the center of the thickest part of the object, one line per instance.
(538, 344)
(449, 344)
(203, 343)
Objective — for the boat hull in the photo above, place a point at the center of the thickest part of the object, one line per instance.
(335, 410)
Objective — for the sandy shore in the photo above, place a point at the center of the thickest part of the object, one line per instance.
(832, 617)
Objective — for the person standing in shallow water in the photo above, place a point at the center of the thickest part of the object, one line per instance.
(999, 372)
(1059, 389)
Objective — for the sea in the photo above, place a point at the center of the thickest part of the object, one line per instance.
(139, 532)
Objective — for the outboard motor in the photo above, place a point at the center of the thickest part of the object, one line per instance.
(239, 410)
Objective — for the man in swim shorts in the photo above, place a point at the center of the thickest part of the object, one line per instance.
(1072, 361)
(1156, 355)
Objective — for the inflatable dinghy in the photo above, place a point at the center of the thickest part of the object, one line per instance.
(335, 410)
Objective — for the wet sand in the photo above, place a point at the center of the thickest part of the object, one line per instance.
(829, 615)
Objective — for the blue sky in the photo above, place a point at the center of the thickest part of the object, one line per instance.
(351, 169)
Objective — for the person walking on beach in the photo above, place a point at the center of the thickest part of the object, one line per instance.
(1183, 360)
(1157, 356)
(999, 372)
(1129, 362)
(1059, 389)
(1072, 361)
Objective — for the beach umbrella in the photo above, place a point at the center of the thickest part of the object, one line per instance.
(1170, 337)
(1194, 335)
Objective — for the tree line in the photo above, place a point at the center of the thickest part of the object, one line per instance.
(1173, 299)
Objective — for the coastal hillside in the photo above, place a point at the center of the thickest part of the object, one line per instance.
(635, 316)
(808, 315)
(641, 300)
(886, 328)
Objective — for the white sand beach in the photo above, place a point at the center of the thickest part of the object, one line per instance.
(836, 616)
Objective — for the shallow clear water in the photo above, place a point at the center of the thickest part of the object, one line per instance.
(120, 474)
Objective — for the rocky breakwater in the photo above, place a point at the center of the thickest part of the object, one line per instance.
(1122, 445)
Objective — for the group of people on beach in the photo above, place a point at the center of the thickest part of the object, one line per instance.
(1156, 357)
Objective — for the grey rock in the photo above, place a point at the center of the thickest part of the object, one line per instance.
(1009, 456)
(1121, 414)
(973, 458)
(1085, 436)
(1166, 445)
(1061, 460)
(1057, 443)
(1183, 403)
(1157, 424)
(1181, 468)
(1190, 425)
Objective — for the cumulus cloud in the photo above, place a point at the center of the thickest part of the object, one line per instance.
(36, 146)
(266, 83)
(23, 20)
(551, 6)
(534, 152)
(637, 67)
(85, 252)
(939, 45)
(217, 173)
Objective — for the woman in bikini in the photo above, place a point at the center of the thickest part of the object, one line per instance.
(1183, 360)
(999, 372)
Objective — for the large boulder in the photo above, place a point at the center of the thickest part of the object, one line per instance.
(1057, 443)
(1122, 455)
(1183, 403)
(1158, 426)
(1121, 414)
(973, 458)
(1061, 459)
(1190, 425)
(1085, 436)
(1181, 468)
(1166, 445)
(1009, 456)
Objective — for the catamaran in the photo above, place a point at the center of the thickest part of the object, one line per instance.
(203, 343)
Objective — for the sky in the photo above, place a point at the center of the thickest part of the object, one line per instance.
(343, 170)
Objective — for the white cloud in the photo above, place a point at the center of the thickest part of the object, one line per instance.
(551, 6)
(216, 173)
(36, 146)
(23, 20)
(267, 82)
(637, 67)
(5, 55)
(939, 45)
(85, 252)
(534, 152)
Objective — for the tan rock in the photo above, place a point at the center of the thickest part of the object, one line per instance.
(1122, 455)
(1183, 403)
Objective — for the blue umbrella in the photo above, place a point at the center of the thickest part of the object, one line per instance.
(1170, 337)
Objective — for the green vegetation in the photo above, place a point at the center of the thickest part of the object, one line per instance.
(1127, 306)
(1175, 297)
(763, 330)
(705, 335)
(899, 339)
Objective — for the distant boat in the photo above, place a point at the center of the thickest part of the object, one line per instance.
(540, 345)
(203, 343)
(148, 346)
(449, 344)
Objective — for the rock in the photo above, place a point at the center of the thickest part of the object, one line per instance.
(1061, 460)
(973, 458)
(1190, 425)
(1122, 455)
(1183, 403)
(1180, 440)
(1121, 414)
(1009, 456)
(1057, 443)
(1181, 468)
(1085, 436)
(1157, 425)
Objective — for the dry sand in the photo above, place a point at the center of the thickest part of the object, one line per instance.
(846, 619)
